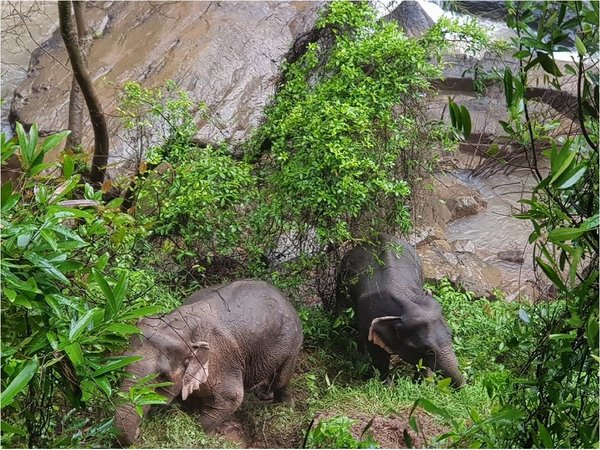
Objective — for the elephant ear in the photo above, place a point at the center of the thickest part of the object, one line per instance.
(196, 372)
(383, 331)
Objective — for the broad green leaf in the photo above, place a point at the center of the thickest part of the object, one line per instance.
(49, 238)
(8, 428)
(63, 211)
(548, 64)
(52, 141)
(551, 274)
(571, 177)
(455, 111)
(10, 203)
(104, 384)
(102, 261)
(77, 327)
(19, 382)
(565, 165)
(413, 424)
(545, 436)
(8, 148)
(565, 234)
(110, 309)
(591, 223)
(25, 156)
(10, 294)
(74, 353)
(506, 127)
(117, 364)
(580, 46)
(64, 188)
(46, 266)
(119, 291)
(5, 193)
(466, 121)
(508, 412)
(123, 328)
(68, 233)
(32, 143)
(452, 116)
(68, 166)
(521, 54)
(574, 264)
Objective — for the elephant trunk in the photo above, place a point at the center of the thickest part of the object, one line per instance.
(127, 421)
(447, 363)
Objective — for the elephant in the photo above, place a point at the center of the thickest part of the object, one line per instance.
(222, 341)
(383, 283)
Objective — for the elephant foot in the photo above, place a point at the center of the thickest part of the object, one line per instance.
(283, 395)
(263, 393)
(233, 431)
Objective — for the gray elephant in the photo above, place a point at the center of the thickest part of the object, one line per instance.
(383, 283)
(221, 341)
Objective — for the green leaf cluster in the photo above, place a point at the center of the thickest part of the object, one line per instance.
(336, 432)
(62, 313)
(554, 401)
(335, 141)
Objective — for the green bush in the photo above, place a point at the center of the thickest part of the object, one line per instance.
(336, 433)
(199, 206)
(554, 400)
(63, 314)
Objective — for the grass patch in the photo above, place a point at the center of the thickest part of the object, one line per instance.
(171, 427)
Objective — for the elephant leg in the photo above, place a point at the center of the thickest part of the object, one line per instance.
(381, 361)
(264, 390)
(281, 382)
(227, 398)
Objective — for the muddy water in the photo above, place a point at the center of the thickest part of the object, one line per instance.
(19, 40)
(496, 229)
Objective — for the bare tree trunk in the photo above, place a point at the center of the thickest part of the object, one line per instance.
(74, 140)
(81, 74)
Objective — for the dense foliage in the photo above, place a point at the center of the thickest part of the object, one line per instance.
(554, 402)
(64, 310)
(333, 163)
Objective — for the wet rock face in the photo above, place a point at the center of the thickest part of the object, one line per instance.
(227, 54)
(442, 260)
(411, 18)
(465, 205)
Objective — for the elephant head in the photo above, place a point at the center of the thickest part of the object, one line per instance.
(419, 333)
(175, 355)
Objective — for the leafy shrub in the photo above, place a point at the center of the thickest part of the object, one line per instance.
(198, 207)
(62, 313)
(487, 335)
(556, 395)
(336, 433)
(335, 143)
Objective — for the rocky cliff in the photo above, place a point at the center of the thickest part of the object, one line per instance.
(227, 54)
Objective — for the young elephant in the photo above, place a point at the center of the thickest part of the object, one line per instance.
(221, 340)
(384, 285)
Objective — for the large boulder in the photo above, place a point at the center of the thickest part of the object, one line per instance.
(411, 17)
(226, 54)
(442, 259)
